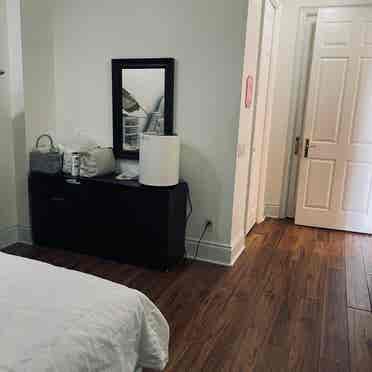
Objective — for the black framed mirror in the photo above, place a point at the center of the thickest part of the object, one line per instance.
(142, 96)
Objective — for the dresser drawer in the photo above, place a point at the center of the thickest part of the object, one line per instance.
(122, 221)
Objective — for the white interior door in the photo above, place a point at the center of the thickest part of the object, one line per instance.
(334, 186)
(261, 113)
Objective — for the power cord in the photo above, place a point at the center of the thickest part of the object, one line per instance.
(190, 204)
(206, 226)
(189, 214)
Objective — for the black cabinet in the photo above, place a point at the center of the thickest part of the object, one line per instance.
(121, 220)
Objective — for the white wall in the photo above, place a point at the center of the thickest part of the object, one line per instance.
(10, 108)
(67, 52)
(38, 68)
(277, 176)
(8, 211)
(17, 107)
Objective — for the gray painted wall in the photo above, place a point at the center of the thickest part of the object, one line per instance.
(68, 83)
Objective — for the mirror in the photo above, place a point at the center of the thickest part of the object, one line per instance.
(142, 102)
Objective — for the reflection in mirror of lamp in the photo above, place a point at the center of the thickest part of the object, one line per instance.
(143, 104)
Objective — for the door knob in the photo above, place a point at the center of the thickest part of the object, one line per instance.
(307, 146)
(2, 72)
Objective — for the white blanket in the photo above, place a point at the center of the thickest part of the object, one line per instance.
(58, 320)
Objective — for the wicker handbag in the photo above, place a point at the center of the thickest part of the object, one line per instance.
(50, 161)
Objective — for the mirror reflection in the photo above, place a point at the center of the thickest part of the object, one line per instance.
(143, 93)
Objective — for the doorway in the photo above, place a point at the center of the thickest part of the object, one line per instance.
(262, 115)
(334, 182)
(303, 59)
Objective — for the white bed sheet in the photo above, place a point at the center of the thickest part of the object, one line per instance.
(54, 319)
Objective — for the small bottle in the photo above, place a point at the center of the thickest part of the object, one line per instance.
(75, 164)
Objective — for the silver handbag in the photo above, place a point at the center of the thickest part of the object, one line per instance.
(50, 161)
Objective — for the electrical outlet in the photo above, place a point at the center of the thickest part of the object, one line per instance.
(208, 224)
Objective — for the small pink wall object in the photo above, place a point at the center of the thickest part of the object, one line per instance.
(249, 91)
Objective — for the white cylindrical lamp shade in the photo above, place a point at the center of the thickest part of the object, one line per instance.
(159, 160)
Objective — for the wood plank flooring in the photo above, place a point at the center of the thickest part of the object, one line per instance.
(298, 299)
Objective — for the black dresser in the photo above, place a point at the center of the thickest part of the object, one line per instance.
(120, 220)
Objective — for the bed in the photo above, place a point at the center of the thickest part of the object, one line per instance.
(54, 319)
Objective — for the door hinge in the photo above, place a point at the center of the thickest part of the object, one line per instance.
(297, 145)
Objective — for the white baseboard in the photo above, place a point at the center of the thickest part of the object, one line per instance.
(24, 234)
(8, 236)
(14, 234)
(237, 249)
(209, 251)
(217, 253)
(272, 210)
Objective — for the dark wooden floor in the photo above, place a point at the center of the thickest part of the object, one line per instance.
(298, 299)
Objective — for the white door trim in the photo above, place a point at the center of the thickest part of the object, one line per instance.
(268, 121)
(261, 143)
(298, 102)
(249, 222)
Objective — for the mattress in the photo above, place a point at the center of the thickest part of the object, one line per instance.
(54, 319)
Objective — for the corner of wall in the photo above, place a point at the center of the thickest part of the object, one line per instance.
(8, 236)
(243, 153)
(272, 210)
(217, 253)
(237, 249)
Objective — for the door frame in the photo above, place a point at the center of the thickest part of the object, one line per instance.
(296, 121)
(260, 213)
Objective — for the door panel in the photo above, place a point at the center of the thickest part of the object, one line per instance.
(318, 191)
(335, 180)
(367, 33)
(330, 93)
(362, 123)
(357, 187)
(336, 34)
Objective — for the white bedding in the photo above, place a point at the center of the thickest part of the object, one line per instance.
(53, 319)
